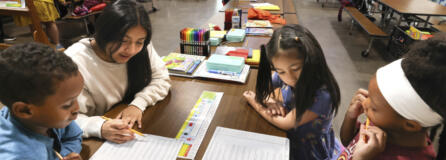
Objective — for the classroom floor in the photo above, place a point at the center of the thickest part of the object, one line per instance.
(342, 51)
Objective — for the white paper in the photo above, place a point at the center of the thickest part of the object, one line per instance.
(201, 121)
(235, 144)
(142, 148)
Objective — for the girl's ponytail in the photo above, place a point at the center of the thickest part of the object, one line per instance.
(264, 79)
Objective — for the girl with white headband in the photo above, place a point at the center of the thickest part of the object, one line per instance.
(405, 99)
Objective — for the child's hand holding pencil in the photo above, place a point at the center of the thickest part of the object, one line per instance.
(372, 141)
(115, 130)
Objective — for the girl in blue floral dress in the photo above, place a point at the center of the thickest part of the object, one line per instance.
(301, 96)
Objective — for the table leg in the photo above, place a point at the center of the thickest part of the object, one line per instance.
(427, 21)
(398, 23)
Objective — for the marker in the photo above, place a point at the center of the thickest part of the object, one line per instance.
(134, 131)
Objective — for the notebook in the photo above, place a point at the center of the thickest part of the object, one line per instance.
(235, 144)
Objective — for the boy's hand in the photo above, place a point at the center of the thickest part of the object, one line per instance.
(72, 156)
(355, 109)
(131, 115)
(371, 142)
(116, 131)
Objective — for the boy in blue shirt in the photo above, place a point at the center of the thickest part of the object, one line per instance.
(39, 88)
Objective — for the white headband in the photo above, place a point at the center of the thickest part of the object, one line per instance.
(401, 96)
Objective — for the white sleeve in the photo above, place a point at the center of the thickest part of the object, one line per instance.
(158, 88)
(91, 125)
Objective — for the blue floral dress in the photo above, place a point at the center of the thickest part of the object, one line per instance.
(315, 139)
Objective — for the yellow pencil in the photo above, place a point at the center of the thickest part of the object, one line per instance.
(58, 155)
(134, 131)
(367, 123)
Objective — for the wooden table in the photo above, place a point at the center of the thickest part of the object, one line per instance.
(412, 7)
(167, 116)
(245, 5)
(30, 11)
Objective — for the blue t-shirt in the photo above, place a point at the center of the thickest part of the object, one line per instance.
(18, 142)
(314, 139)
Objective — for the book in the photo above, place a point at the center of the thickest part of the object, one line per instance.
(258, 24)
(182, 64)
(266, 6)
(259, 31)
(227, 143)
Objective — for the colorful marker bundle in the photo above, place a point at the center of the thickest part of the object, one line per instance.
(195, 41)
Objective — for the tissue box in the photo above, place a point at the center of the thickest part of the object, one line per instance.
(235, 35)
(225, 63)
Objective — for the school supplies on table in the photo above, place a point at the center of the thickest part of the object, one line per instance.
(259, 31)
(182, 64)
(195, 41)
(266, 6)
(255, 59)
(225, 63)
(217, 37)
(197, 123)
(258, 24)
(141, 148)
(235, 144)
(235, 35)
(239, 77)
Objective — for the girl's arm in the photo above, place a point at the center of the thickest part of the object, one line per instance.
(355, 109)
(158, 87)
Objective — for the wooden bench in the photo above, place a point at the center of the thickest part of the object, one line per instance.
(84, 19)
(440, 27)
(371, 28)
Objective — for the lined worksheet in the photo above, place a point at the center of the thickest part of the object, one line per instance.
(235, 144)
(142, 148)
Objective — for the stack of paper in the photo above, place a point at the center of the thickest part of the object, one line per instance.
(258, 24)
(225, 63)
(142, 148)
(235, 35)
(234, 144)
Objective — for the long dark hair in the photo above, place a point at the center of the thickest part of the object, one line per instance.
(425, 68)
(315, 72)
(116, 19)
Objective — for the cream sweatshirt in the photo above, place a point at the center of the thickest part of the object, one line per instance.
(105, 84)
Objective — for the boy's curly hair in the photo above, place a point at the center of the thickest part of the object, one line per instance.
(30, 72)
